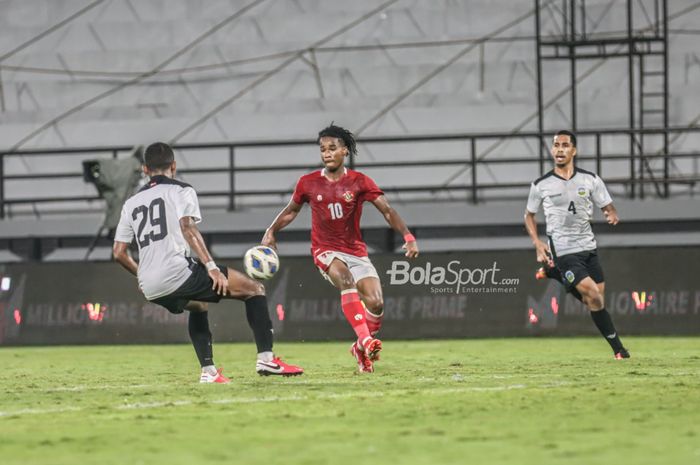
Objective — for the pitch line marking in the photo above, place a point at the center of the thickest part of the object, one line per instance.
(291, 398)
(83, 387)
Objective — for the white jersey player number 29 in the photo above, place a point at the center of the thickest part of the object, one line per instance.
(153, 214)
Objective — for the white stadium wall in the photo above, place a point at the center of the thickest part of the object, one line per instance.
(491, 88)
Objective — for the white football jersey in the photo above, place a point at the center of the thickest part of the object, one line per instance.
(568, 208)
(152, 216)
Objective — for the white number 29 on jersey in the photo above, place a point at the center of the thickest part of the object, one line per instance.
(336, 210)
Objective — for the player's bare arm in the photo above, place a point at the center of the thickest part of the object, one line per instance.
(544, 255)
(397, 223)
(120, 251)
(610, 213)
(194, 238)
(283, 219)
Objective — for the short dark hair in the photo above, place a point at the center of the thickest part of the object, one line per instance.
(158, 156)
(340, 133)
(571, 135)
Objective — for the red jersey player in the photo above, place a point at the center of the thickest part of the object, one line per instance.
(336, 195)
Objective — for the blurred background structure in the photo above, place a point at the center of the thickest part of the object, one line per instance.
(453, 101)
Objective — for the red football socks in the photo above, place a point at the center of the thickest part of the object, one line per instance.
(374, 322)
(355, 313)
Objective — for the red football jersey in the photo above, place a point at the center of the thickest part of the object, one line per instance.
(336, 207)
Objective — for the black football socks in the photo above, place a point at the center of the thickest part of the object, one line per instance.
(259, 320)
(606, 327)
(200, 335)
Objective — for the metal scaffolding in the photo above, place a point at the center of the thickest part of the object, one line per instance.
(643, 43)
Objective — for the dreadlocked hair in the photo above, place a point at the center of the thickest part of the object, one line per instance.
(340, 133)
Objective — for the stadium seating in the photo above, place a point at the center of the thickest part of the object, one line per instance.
(491, 88)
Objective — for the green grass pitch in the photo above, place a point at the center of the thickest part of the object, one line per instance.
(492, 401)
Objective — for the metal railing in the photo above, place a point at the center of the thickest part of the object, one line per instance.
(640, 173)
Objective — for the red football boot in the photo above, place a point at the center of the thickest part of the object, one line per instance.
(364, 364)
(218, 378)
(277, 367)
(372, 348)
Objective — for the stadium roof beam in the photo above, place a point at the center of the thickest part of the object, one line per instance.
(279, 68)
(240, 12)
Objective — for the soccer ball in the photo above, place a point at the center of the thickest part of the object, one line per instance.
(261, 262)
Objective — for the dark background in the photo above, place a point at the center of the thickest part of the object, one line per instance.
(50, 302)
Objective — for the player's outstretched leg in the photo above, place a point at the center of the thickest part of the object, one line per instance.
(592, 294)
(370, 290)
(198, 327)
(354, 312)
(252, 293)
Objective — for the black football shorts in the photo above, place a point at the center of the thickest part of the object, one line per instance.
(197, 287)
(578, 266)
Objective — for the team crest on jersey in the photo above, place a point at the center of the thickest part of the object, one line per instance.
(569, 275)
(348, 196)
(319, 197)
(582, 191)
